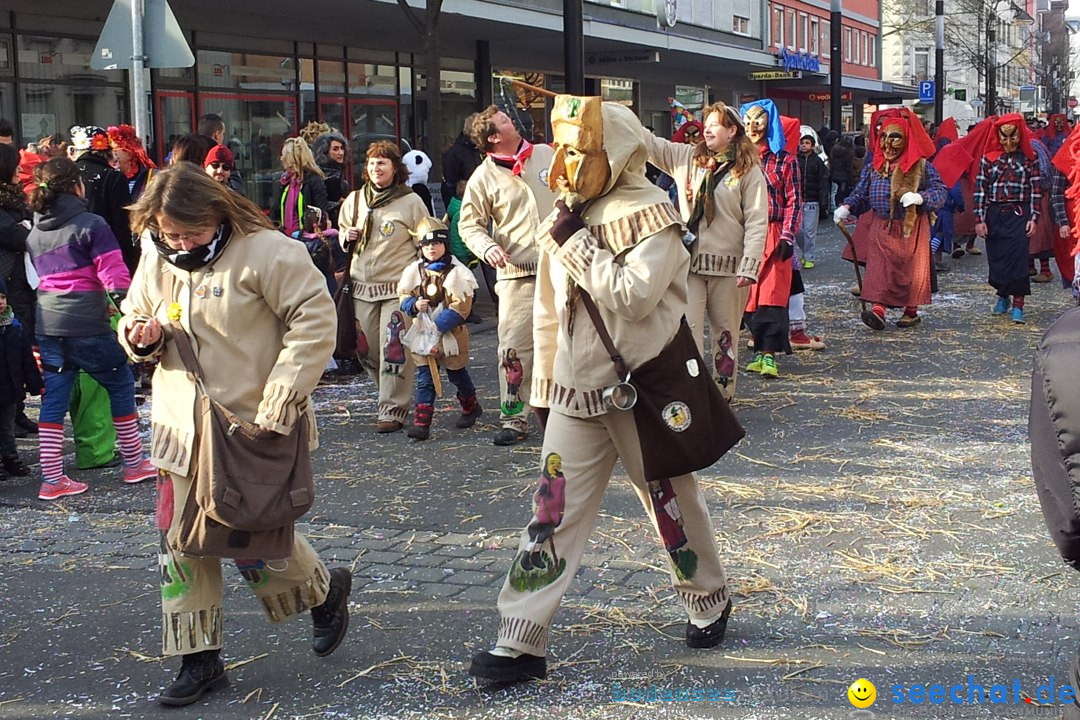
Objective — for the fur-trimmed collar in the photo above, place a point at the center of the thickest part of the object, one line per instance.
(905, 182)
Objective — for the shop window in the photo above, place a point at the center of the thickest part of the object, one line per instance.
(55, 107)
(55, 58)
(7, 67)
(256, 128)
(246, 71)
(7, 109)
(365, 79)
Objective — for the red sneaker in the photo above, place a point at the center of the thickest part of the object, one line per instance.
(143, 471)
(66, 486)
(801, 341)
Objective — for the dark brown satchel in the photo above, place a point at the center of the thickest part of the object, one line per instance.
(683, 422)
(250, 484)
(351, 341)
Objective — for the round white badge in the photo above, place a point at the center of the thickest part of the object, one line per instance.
(543, 176)
(676, 415)
(387, 228)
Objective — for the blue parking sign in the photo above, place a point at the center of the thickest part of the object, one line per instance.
(926, 91)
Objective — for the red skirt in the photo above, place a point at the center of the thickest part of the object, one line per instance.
(897, 268)
(1042, 241)
(773, 286)
(859, 238)
(1063, 248)
(964, 223)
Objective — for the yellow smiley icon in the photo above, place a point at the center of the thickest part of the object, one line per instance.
(862, 693)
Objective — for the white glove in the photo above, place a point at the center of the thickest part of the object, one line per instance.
(911, 198)
(841, 213)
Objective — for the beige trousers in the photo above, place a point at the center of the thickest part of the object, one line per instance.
(515, 350)
(191, 587)
(577, 460)
(389, 363)
(722, 300)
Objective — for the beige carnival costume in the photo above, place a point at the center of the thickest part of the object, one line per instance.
(624, 247)
(513, 205)
(729, 245)
(386, 247)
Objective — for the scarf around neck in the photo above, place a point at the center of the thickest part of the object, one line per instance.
(715, 166)
(196, 257)
(515, 163)
(376, 198)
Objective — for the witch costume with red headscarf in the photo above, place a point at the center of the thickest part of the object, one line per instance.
(1008, 200)
(901, 189)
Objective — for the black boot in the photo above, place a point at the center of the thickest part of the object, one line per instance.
(421, 427)
(24, 423)
(15, 467)
(508, 670)
(201, 672)
(470, 411)
(710, 636)
(331, 619)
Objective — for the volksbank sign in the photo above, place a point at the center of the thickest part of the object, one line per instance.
(792, 60)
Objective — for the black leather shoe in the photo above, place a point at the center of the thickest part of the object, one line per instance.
(201, 672)
(508, 670)
(15, 467)
(710, 636)
(331, 619)
(25, 423)
(509, 436)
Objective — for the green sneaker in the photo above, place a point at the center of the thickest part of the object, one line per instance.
(768, 366)
(807, 264)
(755, 364)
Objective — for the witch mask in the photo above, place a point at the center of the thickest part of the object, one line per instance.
(894, 141)
(756, 121)
(1009, 135)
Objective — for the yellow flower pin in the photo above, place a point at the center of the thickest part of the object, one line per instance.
(175, 312)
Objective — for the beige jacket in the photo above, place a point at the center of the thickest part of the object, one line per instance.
(452, 291)
(734, 244)
(376, 271)
(513, 206)
(263, 327)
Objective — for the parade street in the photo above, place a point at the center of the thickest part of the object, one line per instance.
(878, 521)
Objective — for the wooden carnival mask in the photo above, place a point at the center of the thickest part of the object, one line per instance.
(580, 166)
(1009, 136)
(894, 141)
(1059, 124)
(756, 121)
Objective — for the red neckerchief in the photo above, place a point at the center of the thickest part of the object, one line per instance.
(515, 163)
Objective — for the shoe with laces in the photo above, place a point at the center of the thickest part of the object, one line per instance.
(755, 364)
(143, 471)
(1001, 306)
(1017, 315)
(66, 486)
(768, 366)
(801, 341)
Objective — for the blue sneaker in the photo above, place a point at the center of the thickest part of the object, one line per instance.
(1018, 316)
(1002, 306)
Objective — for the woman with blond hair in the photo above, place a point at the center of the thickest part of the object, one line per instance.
(261, 324)
(377, 226)
(724, 202)
(300, 186)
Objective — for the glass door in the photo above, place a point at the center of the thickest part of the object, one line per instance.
(175, 117)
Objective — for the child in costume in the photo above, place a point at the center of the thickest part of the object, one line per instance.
(440, 286)
(318, 236)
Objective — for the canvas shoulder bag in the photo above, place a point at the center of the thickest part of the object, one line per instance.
(683, 422)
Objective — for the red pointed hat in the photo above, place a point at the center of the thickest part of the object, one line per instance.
(919, 145)
(961, 158)
(947, 130)
(792, 133)
(992, 150)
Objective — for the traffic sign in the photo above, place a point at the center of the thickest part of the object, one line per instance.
(163, 42)
(1073, 102)
(926, 91)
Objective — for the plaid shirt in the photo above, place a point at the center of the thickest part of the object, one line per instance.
(874, 192)
(1057, 197)
(1012, 178)
(785, 192)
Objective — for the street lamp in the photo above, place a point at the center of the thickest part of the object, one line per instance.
(1020, 18)
(939, 61)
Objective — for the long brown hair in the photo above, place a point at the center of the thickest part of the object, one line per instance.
(746, 153)
(55, 177)
(191, 198)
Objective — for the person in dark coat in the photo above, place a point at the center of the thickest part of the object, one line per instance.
(331, 151)
(1054, 432)
(107, 192)
(19, 375)
(841, 160)
(459, 161)
(815, 183)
